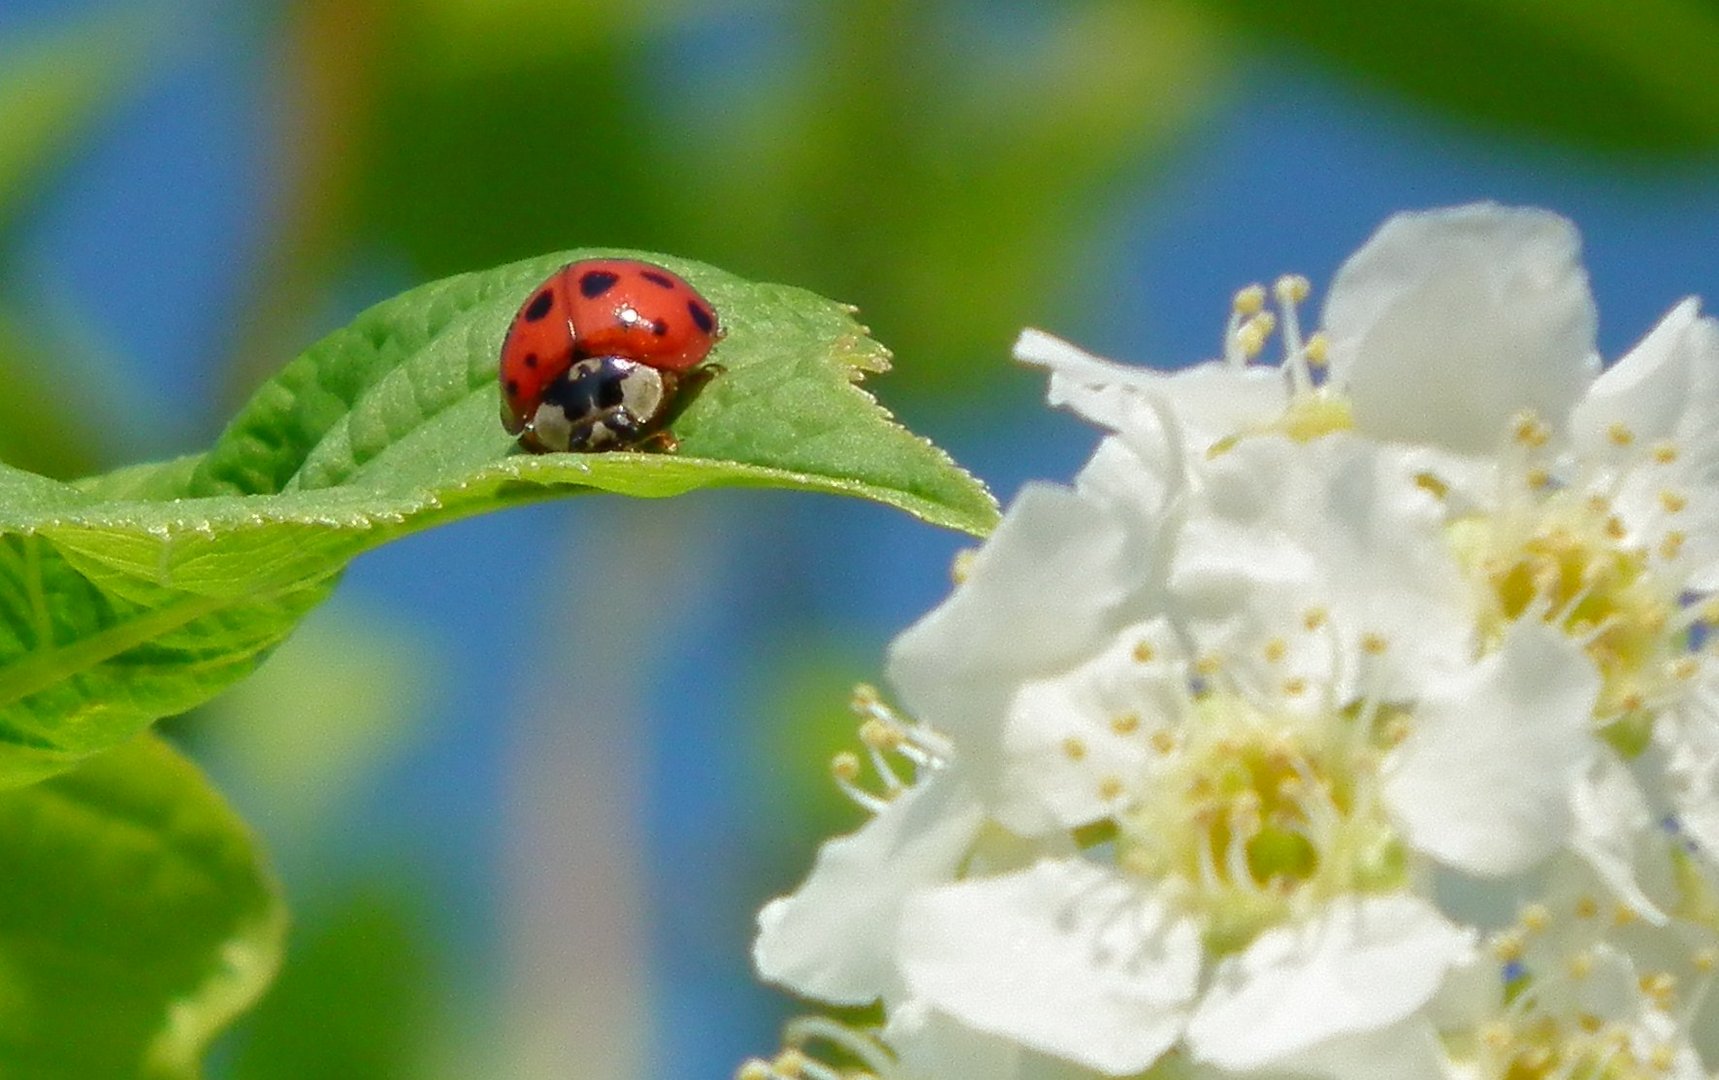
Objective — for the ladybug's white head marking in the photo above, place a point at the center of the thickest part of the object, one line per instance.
(601, 403)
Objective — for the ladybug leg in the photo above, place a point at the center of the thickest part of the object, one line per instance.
(658, 442)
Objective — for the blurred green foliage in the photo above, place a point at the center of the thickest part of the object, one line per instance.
(866, 149)
(358, 998)
(136, 919)
(1634, 80)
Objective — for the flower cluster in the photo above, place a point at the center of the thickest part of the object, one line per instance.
(1352, 715)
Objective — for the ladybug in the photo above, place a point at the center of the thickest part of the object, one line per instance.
(601, 354)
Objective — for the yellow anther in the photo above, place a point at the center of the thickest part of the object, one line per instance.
(1526, 429)
(1317, 350)
(1658, 984)
(791, 1063)
(1615, 528)
(1396, 729)
(962, 567)
(1620, 434)
(1125, 724)
(1249, 301)
(1294, 686)
(1074, 748)
(1374, 644)
(864, 695)
(1685, 668)
(1110, 788)
(1671, 545)
(1623, 916)
(1589, 1023)
(845, 766)
(1314, 618)
(1292, 289)
(1705, 960)
(1432, 484)
(1599, 505)
(1586, 907)
(1662, 1058)
(1497, 1036)
(1673, 501)
(1250, 338)
(1507, 947)
(881, 736)
(1665, 453)
(1275, 650)
(1162, 741)
(1208, 665)
(753, 1070)
(1581, 965)
(1535, 918)
(1144, 652)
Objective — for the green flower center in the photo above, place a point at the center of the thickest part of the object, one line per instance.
(1249, 816)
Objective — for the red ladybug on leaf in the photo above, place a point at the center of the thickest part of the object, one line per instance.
(600, 355)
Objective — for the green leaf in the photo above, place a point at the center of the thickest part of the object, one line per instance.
(360, 996)
(136, 919)
(123, 603)
(1634, 78)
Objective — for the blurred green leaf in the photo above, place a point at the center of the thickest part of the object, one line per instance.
(119, 611)
(308, 731)
(1634, 78)
(136, 919)
(34, 432)
(944, 166)
(355, 1000)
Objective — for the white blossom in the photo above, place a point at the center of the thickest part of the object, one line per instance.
(1199, 747)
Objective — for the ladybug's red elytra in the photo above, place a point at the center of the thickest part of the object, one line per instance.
(599, 354)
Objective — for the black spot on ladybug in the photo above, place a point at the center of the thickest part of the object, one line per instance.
(530, 359)
(540, 305)
(594, 283)
(701, 315)
(657, 279)
(659, 328)
(512, 388)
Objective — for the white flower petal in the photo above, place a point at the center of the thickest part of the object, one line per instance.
(1615, 833)
(1447, 323)
(1042, 594)
(1689, 739)
(1073, 738)
(1407, 1050)
(1665, 391)
(1483, 780)
(834, 938)
(1211, 401)
(1358, 967)
(1067, 958)
(931, 1046)
(1336, 525)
